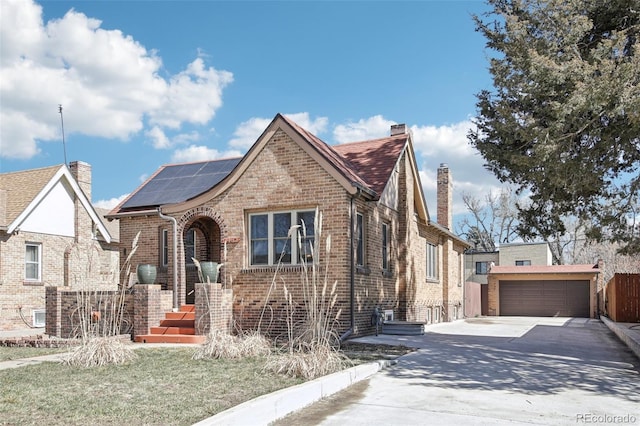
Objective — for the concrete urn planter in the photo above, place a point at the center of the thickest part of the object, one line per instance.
(146, 274)
(209, 271)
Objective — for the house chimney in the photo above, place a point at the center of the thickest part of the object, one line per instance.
(398, 129)
(82, 172)
(445, 194)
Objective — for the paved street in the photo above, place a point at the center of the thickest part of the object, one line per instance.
(488, 371)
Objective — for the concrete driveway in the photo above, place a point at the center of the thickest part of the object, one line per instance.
(495, 371)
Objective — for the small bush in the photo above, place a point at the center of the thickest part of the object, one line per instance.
(308, 363)
(99, 351)
(221, 344)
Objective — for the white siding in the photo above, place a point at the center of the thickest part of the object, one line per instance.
(54, 215)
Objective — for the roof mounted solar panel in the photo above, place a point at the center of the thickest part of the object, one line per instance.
(179, 182)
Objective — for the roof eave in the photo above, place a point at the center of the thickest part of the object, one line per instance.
(447, 232)
(120, 215)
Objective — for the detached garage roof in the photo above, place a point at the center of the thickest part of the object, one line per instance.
(545, 269)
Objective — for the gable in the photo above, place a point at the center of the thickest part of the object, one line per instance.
(321, 153)
(35, 199)
(53, 214)
(20, 188)
(390, 196)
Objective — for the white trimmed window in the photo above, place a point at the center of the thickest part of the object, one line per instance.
(432, 261)
(270, 240)
(33, 262)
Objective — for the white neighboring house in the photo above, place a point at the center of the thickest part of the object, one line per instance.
(50, 235)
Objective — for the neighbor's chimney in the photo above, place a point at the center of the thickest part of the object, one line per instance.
(398, 129)
(82, 172)
(445, 191)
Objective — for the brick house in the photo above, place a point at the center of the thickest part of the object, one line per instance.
(50, 235)
(386, 251)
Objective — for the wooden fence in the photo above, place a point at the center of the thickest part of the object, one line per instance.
(622, 298)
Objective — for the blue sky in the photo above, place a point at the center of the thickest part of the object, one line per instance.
(146, 83)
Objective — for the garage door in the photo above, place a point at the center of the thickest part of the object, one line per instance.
(545, 298)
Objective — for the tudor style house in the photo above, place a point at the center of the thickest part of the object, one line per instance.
(50, 235)
(386, 251)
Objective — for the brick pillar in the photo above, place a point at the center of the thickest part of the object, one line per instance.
(147, 307)
(213, 307)
(53, 312)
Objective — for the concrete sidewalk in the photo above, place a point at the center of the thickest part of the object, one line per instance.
(629, 333)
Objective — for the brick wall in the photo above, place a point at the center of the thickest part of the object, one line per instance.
(64, 307)
(66, 262)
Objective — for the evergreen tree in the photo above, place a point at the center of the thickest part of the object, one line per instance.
(563, 120)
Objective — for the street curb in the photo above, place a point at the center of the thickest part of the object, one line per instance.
(631, 339)
(276, 405)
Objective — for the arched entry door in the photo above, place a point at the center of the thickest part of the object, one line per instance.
(201, 239)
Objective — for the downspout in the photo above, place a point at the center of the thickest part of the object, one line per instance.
(175, 257)
(351, 278)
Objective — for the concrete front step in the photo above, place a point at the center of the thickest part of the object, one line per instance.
(176, 327)
(173, 330)
(169, 338)
(180, 315)
(177, 323)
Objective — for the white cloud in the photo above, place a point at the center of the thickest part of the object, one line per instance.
(364, 129)
(196, 153)
(110, 203)
(434, 140)
(248, 132)
(317, 126)
(193, 96)
(158, 138)
(448, 144)
(107, 82)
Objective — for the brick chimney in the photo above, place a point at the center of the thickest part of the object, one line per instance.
(82, 172)
(398, 129)
(445, 194)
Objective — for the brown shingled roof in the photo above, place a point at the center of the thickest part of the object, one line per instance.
(22, 187)
(367, 163)
(374, 160)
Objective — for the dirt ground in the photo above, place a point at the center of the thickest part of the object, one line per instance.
(373, 352)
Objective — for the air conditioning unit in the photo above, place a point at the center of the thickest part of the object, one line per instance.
(388, 314)
(39, 317)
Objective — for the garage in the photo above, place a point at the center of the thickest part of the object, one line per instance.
(545, 298)
(544, 290)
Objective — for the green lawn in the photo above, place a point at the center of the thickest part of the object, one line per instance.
(163, 386)
(14, 352)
